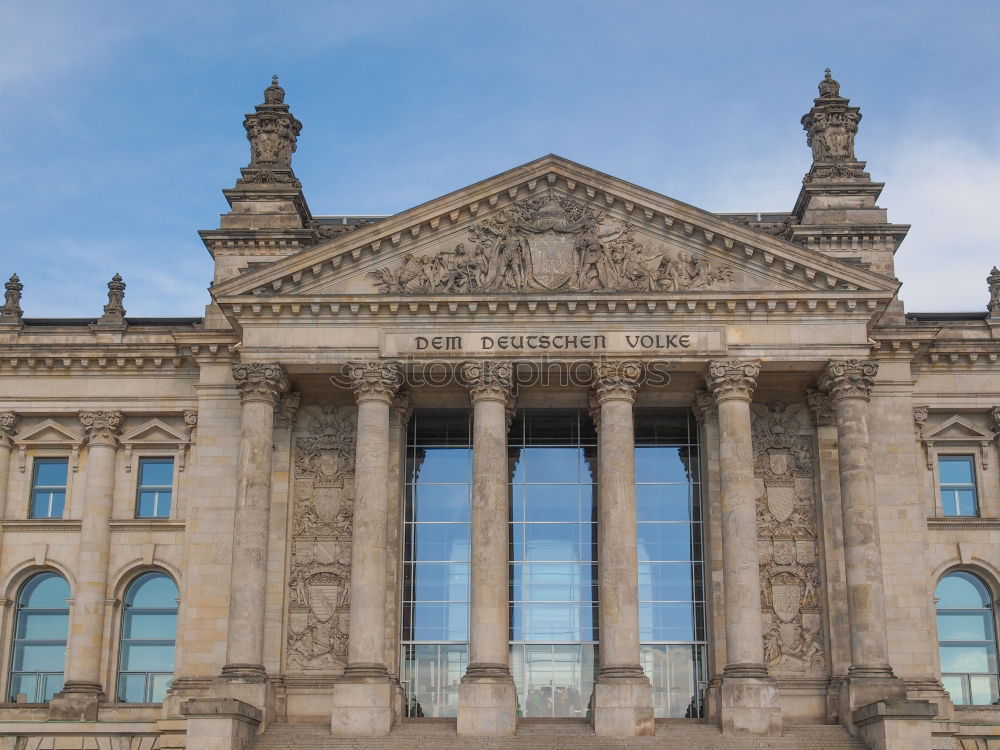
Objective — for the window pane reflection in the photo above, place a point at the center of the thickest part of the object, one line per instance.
(967, 638)
(435, 611)
(39, 650)
(671, 583)
(553, 619)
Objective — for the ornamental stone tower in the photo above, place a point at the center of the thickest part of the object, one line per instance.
(268, 218)
(835, 212)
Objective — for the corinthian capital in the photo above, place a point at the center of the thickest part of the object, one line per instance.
(732, 378)
(489, 380)
(849, 378)
(376, 380)
(8, 421)
(616, 379)
(822, 409)
(260, 381)
(102, 426)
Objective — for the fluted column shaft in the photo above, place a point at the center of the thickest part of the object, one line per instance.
(491, 394)
(84, 645)
(260, 386)
(375, 384)
(848, 384)
(732, 383)
(614, 393)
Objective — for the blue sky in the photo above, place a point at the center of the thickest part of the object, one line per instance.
(122, 120)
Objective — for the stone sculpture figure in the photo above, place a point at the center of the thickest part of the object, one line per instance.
(555, 244)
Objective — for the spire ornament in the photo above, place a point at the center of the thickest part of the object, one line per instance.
(994, 284)
(11, 312)
(272, 132)
(830, 127)
(114, 311)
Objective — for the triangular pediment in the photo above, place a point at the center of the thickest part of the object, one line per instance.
(957, 428)
(155, 432)
(49, 431)
(553, 227)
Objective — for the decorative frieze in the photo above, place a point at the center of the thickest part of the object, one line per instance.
(322, 515)
(102, 426)
(549, 244)
(732, 378)
(849, 378)
(794, 641)
(260, 381)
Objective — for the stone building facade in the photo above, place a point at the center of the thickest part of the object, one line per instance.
(550, 446)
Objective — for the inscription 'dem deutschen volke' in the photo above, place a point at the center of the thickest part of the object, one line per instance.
(494, 342)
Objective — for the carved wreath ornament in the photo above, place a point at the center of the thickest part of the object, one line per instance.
(551, 244)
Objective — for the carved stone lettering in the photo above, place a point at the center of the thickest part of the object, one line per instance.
(786, 528)
(320, 574)
(551, 244)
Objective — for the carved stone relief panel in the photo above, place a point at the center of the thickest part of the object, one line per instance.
(794, 641)
(552, 243)
(319, 578)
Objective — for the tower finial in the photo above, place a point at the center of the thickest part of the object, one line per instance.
(828, 87)
(11, 310)
(272, 132)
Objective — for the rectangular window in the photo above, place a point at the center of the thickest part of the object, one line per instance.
(48, 487)
(156, 481)
(957, 476)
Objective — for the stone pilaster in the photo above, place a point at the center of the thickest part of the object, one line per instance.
(748, 698)
(848, 384)
(8, 421)
(82, 689)
(623, 699)
(487, 704)
(261, 385)
(363, 698)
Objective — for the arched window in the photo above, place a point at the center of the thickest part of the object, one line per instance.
(967, 636)
(149, 630)
(40, 627)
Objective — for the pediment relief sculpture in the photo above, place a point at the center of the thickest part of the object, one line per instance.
(554, 243)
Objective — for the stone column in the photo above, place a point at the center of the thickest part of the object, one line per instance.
(487, 703)
(363, 698)
(260, 385)
(82, 690)
(748, 700)
(623, 697)
(848, 384)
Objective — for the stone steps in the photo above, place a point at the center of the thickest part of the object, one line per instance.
(571, 734)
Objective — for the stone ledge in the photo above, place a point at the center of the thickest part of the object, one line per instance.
(220, 707)
(894, 711)
(963, 523)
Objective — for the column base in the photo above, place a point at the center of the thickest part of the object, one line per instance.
(487, 702)
(77, 701)
(219, 723)
(748, 702)
(244, 672)
(866, 685)
(364, 701)
(896, 725)
(622, 704)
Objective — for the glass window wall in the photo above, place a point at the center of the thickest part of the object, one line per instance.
(553, 553)
(436, 562)
(671, 561)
